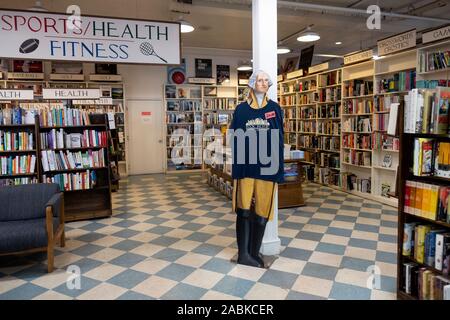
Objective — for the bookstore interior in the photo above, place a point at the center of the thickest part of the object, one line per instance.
(127, 116)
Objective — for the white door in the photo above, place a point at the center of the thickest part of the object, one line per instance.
(145, 127)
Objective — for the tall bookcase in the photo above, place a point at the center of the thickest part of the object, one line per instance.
(356, 144)
(424, 224)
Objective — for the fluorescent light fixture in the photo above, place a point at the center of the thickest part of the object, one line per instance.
(338, 42)
(308, 36)
(283, 50)
(186, 26)
(376, 57)
(244, 67)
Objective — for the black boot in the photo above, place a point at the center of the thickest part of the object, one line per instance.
(257, 226)
(243, 238)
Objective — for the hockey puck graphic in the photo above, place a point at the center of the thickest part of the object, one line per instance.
(29, 46)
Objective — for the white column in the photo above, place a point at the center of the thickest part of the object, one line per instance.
(264, 19)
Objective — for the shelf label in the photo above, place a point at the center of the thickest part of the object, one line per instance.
(1, 75)
(105, 77)
(280, 78)
(62, 76)
(437, 34)
(294, 74)
(101, 101)
(243, 82)
(397, 43)
(11, 94)
(358, 57)
(71, 94)
(25, 75)
(318, 68)
(202, 80)
(53, 36)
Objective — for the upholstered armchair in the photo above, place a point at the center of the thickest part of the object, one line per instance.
(31, 219)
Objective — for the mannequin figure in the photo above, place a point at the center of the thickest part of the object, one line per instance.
(255, 180)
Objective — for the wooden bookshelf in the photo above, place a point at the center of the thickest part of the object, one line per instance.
(405, 164)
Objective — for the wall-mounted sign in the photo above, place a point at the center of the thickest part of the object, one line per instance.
(70, 94)
(294, 74)
(63, 76)
(202, 80)
(438, 34)
(12, 94)
(105, 77)
(1, 75)
(25, 75)
(280, 78)
(146, 117)
(101, 101)
(49, 36)
(358, 57)
(397, 43)
(318, 67)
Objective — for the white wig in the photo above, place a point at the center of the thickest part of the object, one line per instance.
(252, 80)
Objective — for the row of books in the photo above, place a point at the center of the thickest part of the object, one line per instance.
(59, 139)
(18, 164)
(351, 181)
(383, 103)
(16, 141)
(329, 160)
(359, 158)
(329, 127)
(329, 94)
(73, 181)
(354, 88)
(432, 84)
(63, 117)
(328, 143)
(357, 141)
(427, 111)
(427, 200)
(56, 161)
(182, 117)
(309, 172)
(360, 124)
(430, 61)
(307, 126)
(183, 105)
(220, 104)
(381, 141)
(431, 157)
(308, 141)
(288, 100)
(306, 98)
(427, 245)
(289, 113)
(380, 121)
(424, 284)
(16, 115)
(290, 126)
(330, 79)
(217, 118)
(329, 110)
(307, 113)
(402, 81)
(17, 181)
(357, 106)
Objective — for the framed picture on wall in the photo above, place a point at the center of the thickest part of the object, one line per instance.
(67, 67)
(28, 66)
(290, 64)
(203, 68)
(105, 68)
(177, 74)
(223, 74)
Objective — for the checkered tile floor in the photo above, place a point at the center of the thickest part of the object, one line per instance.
(172, 237)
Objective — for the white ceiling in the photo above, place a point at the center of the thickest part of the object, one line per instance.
(227, 24)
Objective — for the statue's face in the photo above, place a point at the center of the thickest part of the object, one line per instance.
(262, 83)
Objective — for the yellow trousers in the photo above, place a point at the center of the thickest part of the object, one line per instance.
(263, 191)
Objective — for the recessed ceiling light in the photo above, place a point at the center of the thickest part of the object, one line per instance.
(308, 36)
(245, 66)
(283, 50)
(338, 42)
(186, 26)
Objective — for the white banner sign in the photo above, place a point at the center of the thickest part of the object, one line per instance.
(358, 57)
(70, 94)
(438, 34)
(318, 68)
(41, 35)
(6, 94)
(101, 101)
(397, 43)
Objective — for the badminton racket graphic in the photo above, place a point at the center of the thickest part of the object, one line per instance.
(148, 50)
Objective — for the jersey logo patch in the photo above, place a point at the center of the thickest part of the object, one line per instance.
(270, 115)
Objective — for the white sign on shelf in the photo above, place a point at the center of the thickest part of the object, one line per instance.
(13, 94)
(358, 57)
(294, 74)
(397, 43)
(50, 36)
(24, 75)
(70, 94)
(438, 34)
(105, 77)
(63, 76)
(319, 67)
(202, 80)
(280, 78)
(100, 102)
(243, 82)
